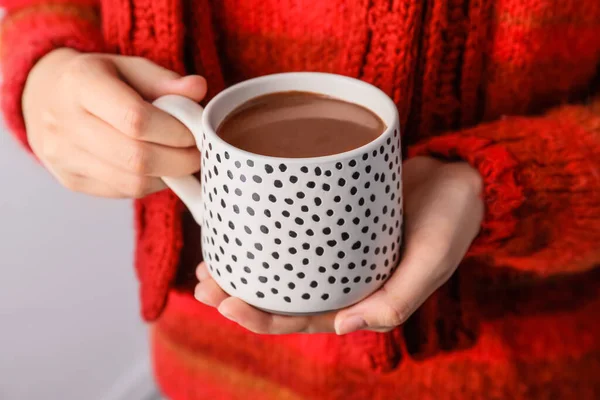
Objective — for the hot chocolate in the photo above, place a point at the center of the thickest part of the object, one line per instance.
(299, 124)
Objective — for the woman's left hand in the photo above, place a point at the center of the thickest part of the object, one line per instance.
(443, 212)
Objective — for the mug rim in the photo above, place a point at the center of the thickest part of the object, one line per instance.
(375, 143)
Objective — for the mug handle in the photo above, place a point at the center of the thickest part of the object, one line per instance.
(189, 113)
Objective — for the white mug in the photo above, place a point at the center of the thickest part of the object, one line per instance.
(295, 235)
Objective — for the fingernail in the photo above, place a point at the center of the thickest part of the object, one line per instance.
(350, 324)
(229, 317)
(199, 295)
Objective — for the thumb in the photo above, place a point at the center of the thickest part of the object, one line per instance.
(152, 81)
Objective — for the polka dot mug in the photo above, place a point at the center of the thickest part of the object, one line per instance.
(301, 235)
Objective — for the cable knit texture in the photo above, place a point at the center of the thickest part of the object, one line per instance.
(510, 86)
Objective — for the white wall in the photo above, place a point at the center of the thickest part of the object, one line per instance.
(69, 325)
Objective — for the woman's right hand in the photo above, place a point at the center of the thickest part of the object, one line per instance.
(89, 121)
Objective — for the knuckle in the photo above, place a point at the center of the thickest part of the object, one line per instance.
(138, 188)
(70, 182)
(309, 329)
(138, 161)
(48, 119)
(81, 66)
(259, 329)
(394, 313)
(266, 328)
(138, 59)
(50, 149)
(136, 118)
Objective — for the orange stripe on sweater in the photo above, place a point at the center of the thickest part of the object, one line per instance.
(13, 5)
(553, 327)
(507, 350)
(219, 379)
(87, 13)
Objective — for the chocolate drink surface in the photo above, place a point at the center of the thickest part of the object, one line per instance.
(299, 125)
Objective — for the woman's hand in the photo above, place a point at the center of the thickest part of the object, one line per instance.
(443, 212)
(89, 122)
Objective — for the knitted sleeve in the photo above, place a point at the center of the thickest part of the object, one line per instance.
(29, 30)
(541, 188)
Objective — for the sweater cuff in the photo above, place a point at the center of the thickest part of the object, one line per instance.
(541, 187)
(30, 33)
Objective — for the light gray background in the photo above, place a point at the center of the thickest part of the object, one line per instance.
(69, 325)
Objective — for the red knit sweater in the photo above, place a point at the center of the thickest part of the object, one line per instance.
(519, 319)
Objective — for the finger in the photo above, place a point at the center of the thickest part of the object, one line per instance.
(139, 158)
(81, 184)
(106, 96)
(258, 321)
(202, 272)
(80, 162)
(152, 81)
(209, 293)
(250, 317)
(262, 322)
(80, 171)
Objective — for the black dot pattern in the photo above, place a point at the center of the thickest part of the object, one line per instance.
(301, 236)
